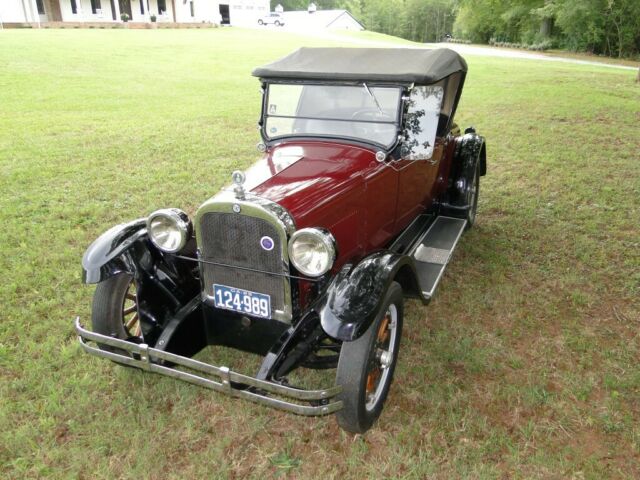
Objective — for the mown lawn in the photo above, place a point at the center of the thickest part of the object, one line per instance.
(524, 366)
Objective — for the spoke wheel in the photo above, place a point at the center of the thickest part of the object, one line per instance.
(383, 349)
(115, 311)
(473, 192)
(130, 315)
(366, 366)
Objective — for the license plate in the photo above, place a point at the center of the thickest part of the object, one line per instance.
(243, 301)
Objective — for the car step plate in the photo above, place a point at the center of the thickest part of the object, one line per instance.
(434, 249)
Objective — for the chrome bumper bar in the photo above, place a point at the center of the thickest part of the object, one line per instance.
(226, 381)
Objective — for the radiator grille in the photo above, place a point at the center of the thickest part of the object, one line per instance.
(234, 239)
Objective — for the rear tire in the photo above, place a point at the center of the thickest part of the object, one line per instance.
(115, 311)
(366, 366)
(276, 23)
(260, 22)
(472, 197)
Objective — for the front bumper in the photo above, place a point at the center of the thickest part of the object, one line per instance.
(306, 402)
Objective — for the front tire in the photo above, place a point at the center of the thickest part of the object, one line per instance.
(260, 22)
(366, 366)
(115, 311)
(277, 23)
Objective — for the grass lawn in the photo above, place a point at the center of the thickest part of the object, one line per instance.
(524, 366)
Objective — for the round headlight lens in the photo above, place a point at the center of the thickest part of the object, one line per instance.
(169, 229)
(312, 251)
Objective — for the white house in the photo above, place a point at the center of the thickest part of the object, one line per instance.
(314, 19)
(230, 12)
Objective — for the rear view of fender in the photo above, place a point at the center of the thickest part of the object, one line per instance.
(471, 151)
(104, 257)
(470, 154)
(355, 295)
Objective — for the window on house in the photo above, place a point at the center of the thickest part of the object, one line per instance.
(162, 6)
(142, 7)
(40, 5)
(193, 13)
(95, 6)
(74, 6)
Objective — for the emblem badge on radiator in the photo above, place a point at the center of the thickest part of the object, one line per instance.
(267, 243)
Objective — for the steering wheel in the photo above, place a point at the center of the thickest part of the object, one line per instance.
(371, 113)
(368, 129)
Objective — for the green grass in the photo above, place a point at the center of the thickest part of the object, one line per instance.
(524, 366)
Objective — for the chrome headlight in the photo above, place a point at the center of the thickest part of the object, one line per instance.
(169, 229)
(312, 251)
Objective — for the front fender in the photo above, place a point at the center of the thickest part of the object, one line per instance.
(164, 283)
(354, 297)
(104, 259)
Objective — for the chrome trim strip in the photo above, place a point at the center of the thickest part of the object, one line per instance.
(228, 378)
(224, 265)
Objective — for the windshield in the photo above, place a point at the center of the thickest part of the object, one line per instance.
(359, 112)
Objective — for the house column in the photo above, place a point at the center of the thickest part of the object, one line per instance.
(54, 13)
(80, 11)
(116, 8)
(34, 12)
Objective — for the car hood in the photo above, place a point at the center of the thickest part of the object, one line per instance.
(302, 177)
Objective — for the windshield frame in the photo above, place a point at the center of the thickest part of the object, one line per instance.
(403, 90)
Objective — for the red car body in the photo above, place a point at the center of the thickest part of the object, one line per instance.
(374, 196)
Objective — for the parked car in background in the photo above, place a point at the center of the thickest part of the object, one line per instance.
(364, 187)
(273, 18)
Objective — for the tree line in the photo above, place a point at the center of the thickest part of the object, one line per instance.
(604, 27)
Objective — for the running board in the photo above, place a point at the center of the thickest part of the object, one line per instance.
(433, 251)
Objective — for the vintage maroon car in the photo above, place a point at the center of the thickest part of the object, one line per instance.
(363, 190)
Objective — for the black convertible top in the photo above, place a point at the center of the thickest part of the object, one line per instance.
(401, 65)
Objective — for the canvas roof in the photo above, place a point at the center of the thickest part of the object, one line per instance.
(401, 65)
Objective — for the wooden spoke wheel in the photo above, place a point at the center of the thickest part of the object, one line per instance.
(115, 311)
(130, 315)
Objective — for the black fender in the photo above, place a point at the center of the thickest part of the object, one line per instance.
(165, 283)
(104, 258)
(354, 296)
(470, 153)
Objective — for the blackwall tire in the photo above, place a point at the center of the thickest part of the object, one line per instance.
(260, 22)
(114, 311)
(362, 401)
(474, 193)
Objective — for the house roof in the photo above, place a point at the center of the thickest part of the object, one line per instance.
(318, 19)
(402, 65)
